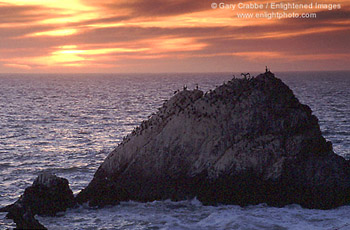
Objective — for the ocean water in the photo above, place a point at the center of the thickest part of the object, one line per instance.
(67, 124)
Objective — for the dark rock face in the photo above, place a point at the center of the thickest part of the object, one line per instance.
(23, 217)
(249, 141)
(48, 195)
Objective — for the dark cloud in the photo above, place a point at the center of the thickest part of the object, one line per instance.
(103, 20)
(16, 32)
(21, 14)
(125, 33)
(156, 8)
(334, 15)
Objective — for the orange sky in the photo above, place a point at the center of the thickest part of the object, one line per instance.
(169, 36)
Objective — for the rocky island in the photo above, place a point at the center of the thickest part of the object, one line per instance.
(47, 196)
(249, 141)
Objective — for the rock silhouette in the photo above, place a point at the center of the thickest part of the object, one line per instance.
(48, 195)
(249, 141)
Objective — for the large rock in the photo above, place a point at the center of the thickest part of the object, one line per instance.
(246, 142)
(23, 217)
(48, 195)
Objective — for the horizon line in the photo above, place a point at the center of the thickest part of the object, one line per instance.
(171, 72)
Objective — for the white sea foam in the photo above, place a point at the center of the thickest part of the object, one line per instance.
(191, 215)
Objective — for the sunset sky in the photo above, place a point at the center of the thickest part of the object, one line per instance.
(73, 36)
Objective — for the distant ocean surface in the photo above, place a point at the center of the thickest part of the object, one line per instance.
(67, 124)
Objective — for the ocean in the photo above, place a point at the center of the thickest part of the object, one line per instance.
(67, 124)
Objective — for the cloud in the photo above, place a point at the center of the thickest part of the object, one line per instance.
(334, 15)
(10, 14)
(140, 8)
(120, 34)
(168, 7)
(18, 66)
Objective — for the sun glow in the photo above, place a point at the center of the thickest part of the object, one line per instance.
(54, 33)
(71, 56)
